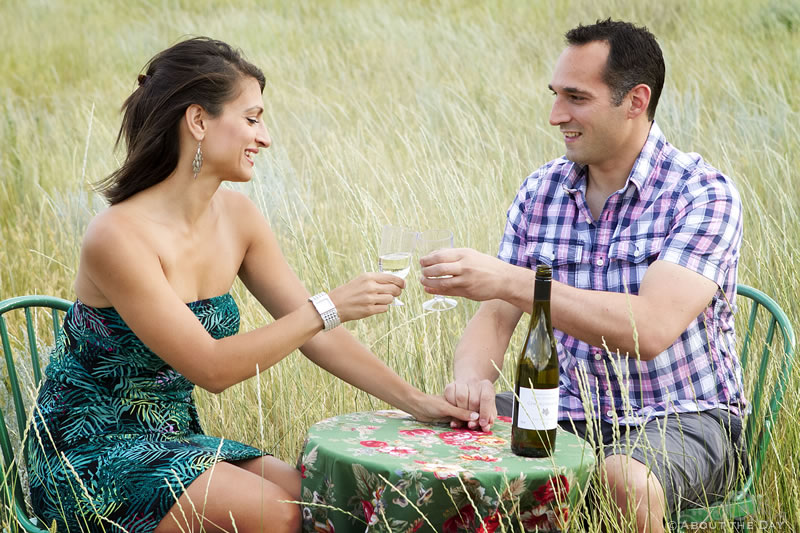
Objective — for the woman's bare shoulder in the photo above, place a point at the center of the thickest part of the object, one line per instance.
(239, 208)
(235, 200)
(113, 243)
(121, 237)
(113, 227)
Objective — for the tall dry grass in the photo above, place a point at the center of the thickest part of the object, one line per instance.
(427, 114)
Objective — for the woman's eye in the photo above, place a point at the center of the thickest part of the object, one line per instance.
(252, 120)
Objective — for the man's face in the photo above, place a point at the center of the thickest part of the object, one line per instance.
(594, 129)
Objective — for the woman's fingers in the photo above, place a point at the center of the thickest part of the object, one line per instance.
(387, 279)
(367, 295)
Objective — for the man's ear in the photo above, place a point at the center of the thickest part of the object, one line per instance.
(638, 99)
(195, 120)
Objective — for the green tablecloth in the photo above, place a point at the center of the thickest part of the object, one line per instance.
(383, 471)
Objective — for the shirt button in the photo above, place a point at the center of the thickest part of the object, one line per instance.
(598, 356)
(609, 414)
(599, 261)
(588, 220)
(637, 253)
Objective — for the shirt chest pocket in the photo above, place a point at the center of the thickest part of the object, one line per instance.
(629, 259)
(563, 256)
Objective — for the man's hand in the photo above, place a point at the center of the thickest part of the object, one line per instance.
(431, 408)
(473, 396)
(475, 275)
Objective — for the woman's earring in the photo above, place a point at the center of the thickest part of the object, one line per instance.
(197, 162)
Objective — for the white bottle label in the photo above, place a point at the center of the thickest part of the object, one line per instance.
(538, 408)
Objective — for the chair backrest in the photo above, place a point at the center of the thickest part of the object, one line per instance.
(22, 339)
(764, 410)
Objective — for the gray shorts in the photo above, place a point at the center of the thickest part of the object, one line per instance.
(695, 456)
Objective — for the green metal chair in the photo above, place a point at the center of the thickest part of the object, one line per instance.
(742, 503)
(12, 499)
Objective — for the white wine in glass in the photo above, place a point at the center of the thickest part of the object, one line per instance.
(394, 252)
(429, 242)
(396, 263)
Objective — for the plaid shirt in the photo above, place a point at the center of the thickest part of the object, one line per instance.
(674, 207)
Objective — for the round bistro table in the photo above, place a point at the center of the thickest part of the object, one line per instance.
(383, 471)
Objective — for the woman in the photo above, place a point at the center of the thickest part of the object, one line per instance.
(116, 441)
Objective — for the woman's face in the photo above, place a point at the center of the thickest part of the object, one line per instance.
(234, 137)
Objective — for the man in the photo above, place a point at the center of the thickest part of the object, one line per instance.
(644, 244)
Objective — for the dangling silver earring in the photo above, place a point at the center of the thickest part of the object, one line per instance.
(197, 162)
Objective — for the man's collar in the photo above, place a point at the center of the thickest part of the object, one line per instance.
(641, 170)
(648, 157)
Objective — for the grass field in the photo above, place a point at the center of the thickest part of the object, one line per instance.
(428, 114)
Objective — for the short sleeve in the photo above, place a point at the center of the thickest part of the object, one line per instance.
(706, 230)
(513, 243)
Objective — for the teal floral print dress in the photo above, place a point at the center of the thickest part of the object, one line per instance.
(115, 438)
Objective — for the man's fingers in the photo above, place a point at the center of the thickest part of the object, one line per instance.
(488, 410)
(475, 399)
(447, 255)
(450, 393)
(462, 395)
(459, 415)
(440, 284)
(437, 270)
(475, 403)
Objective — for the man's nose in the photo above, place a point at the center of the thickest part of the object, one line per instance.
(558, 114)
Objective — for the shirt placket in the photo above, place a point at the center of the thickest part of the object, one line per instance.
(603, 231)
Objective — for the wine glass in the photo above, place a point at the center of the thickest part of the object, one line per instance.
(394, 252)
(429, 242)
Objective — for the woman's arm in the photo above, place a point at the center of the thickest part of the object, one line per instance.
(128, 272)
(267, 275)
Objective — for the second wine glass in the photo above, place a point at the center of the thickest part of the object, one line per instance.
(429, 242)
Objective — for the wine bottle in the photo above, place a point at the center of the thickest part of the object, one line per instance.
(533, 430)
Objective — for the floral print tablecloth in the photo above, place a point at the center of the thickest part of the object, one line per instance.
(383, 471)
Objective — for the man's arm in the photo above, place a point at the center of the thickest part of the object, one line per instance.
(670, 297)
(478, 357)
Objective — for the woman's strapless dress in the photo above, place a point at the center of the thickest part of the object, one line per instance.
(115, 436)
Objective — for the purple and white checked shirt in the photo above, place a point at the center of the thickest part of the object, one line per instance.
(674, 207)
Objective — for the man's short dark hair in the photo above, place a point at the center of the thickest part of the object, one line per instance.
(634, 57)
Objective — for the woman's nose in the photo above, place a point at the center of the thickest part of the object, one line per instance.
(263, 137)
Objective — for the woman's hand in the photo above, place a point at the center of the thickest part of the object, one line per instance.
(432, 408)
(367, 295)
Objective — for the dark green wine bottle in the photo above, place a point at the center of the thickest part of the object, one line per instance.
(533, 430)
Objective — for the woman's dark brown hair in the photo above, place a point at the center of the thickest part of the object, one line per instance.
(198, 71)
